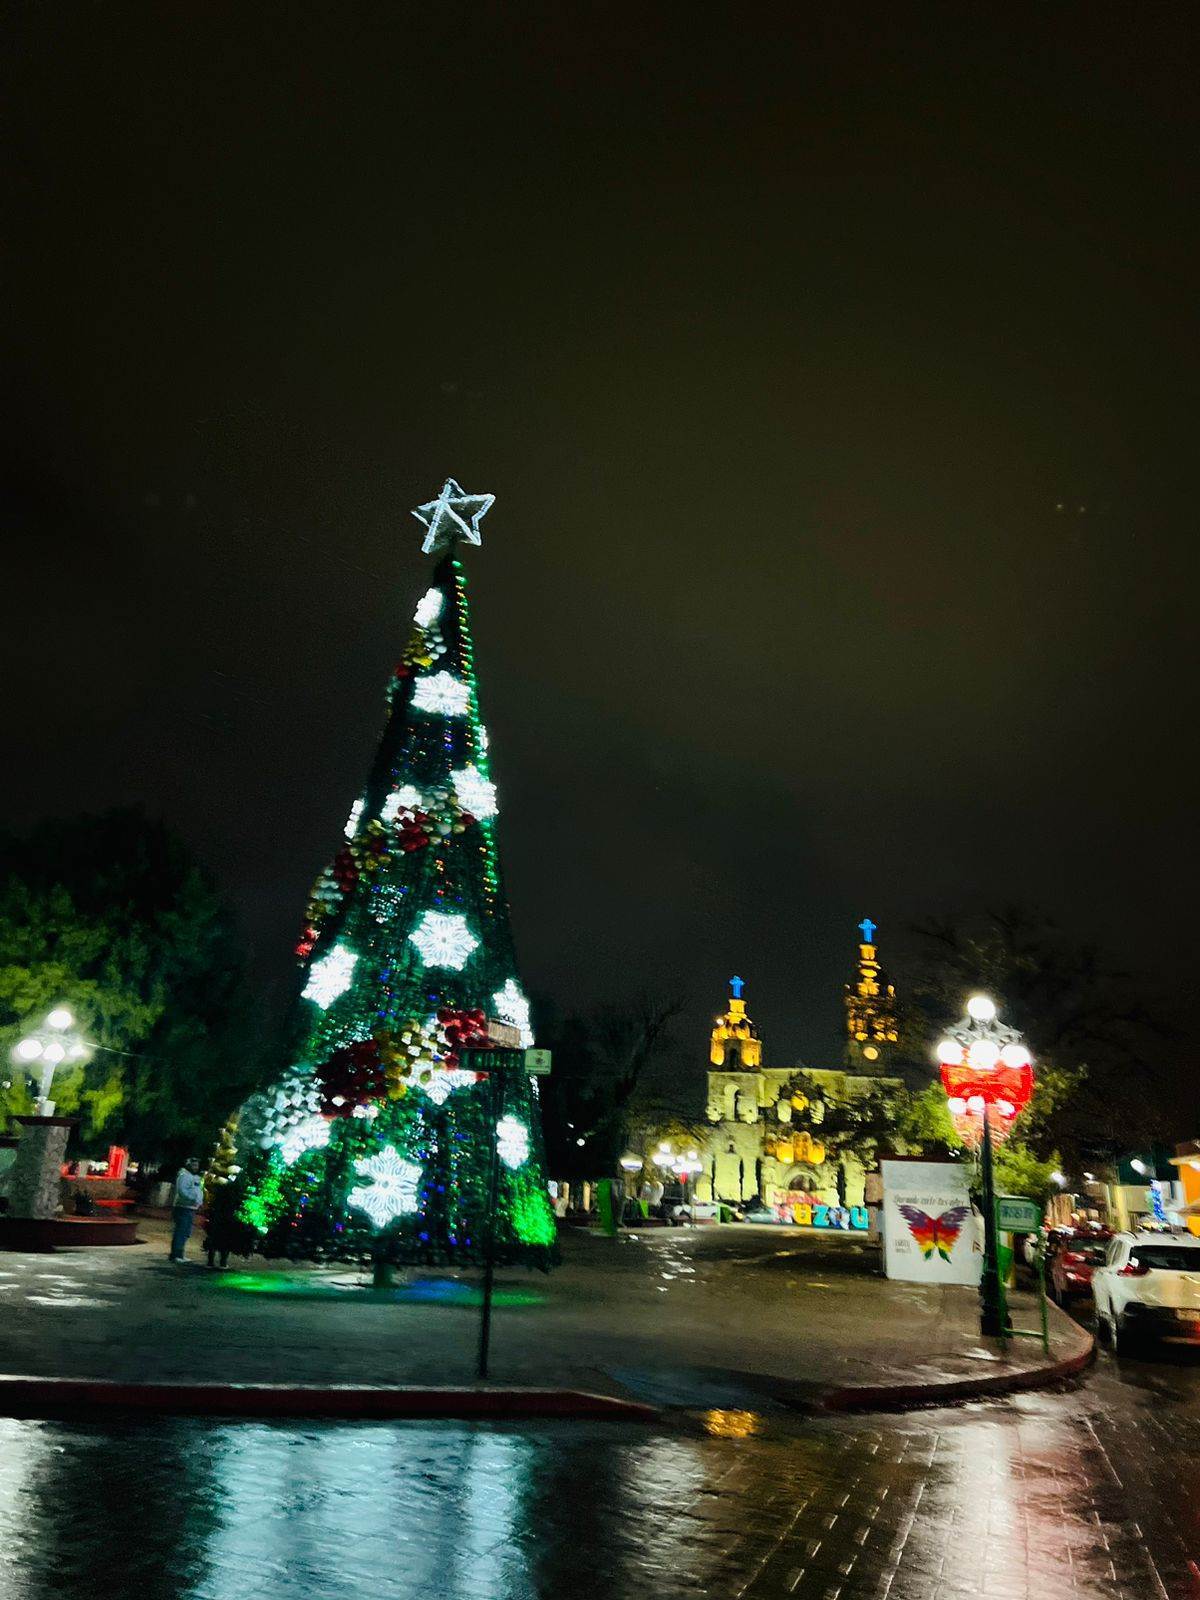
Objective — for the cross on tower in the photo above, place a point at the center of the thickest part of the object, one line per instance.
(867, 929)
(735, 988)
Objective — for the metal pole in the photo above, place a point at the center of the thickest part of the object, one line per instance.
(991, 1303)
(495, 1096)
(1041, 1266)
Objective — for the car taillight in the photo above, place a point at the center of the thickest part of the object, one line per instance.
(1133, 1269)
(1073, 1257)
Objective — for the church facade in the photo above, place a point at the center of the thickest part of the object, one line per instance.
(753, 1149)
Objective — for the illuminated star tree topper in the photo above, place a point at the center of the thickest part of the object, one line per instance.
(452, 516)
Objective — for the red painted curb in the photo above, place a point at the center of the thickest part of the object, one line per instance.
(37, 1397)
(908, 1396)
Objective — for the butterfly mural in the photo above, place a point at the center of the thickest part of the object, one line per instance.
(935, 1233)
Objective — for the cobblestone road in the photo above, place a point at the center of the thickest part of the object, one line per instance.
(1087, 1493)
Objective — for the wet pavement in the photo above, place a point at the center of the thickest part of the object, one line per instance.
(693, 1317)
(1089, 1492)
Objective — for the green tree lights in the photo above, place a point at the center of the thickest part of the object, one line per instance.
(376, 1144)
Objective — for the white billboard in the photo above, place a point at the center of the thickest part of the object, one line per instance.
(930, 1233)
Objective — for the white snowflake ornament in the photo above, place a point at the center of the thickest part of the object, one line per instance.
(444, 940)
(392, 1191)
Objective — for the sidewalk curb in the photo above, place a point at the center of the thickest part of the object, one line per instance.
(86, 1397)
(910, 1396)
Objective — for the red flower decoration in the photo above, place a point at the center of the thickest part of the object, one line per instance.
(353, 1076)
(414, 830)
(345, 869)
(464, 1030)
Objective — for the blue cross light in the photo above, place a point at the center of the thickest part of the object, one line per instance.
(867, 929)
(735, 988)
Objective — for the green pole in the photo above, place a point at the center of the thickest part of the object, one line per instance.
(1041, 1266)
(991, 1294)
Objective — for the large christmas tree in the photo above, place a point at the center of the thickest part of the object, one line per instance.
(377, 1145)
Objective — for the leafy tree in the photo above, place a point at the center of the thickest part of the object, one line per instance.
(113, 916)
(1019, 1171)
(1102, 1056)
(600, 1060)
(848, 1125)
(653, 1122)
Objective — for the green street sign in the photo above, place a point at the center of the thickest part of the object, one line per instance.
(1015, 1214)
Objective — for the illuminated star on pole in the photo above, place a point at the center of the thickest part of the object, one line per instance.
(452, 516)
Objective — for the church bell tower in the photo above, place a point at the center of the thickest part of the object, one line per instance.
(735, 1042)
(870, 1009)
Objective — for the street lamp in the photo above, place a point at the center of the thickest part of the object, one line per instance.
(987, 1073)
(46, 1048)
(687, 1166)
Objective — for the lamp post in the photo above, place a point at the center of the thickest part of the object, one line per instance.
(987, 1073)
(686, 1166)
(46, 1048)
(630, 1163)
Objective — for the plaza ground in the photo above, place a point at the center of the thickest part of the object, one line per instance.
(1082, 1495)
(693, 1317)
(733, 1489)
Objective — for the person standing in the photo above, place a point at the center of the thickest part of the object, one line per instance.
(185, 1202)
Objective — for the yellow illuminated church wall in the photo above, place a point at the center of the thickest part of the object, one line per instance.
(748, 1152)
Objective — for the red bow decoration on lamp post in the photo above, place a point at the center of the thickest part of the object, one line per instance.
(988, 1077)
(983, 1064)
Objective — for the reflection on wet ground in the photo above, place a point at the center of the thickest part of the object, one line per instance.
(1087, 1493)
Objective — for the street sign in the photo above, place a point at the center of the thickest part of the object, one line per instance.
(535, 1062)
(504, 1034)
(1015, 1214)
(492, 1060)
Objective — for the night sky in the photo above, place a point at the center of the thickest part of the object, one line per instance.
(835, 372)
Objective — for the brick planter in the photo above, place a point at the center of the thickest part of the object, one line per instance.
(66, 1233)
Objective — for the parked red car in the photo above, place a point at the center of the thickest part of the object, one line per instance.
(1069, 1269)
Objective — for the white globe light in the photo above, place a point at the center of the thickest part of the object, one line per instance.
(1006, 1108)
(59, 1018)
(54, 1052)
(949, 1051)
(975, 1103)
(983, 1053)
(981, 1008)
(1015, 1055)
(28, 1050)
(956, 1105)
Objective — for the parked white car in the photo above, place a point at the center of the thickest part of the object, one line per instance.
(695, 1211)
(1149, 1288)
